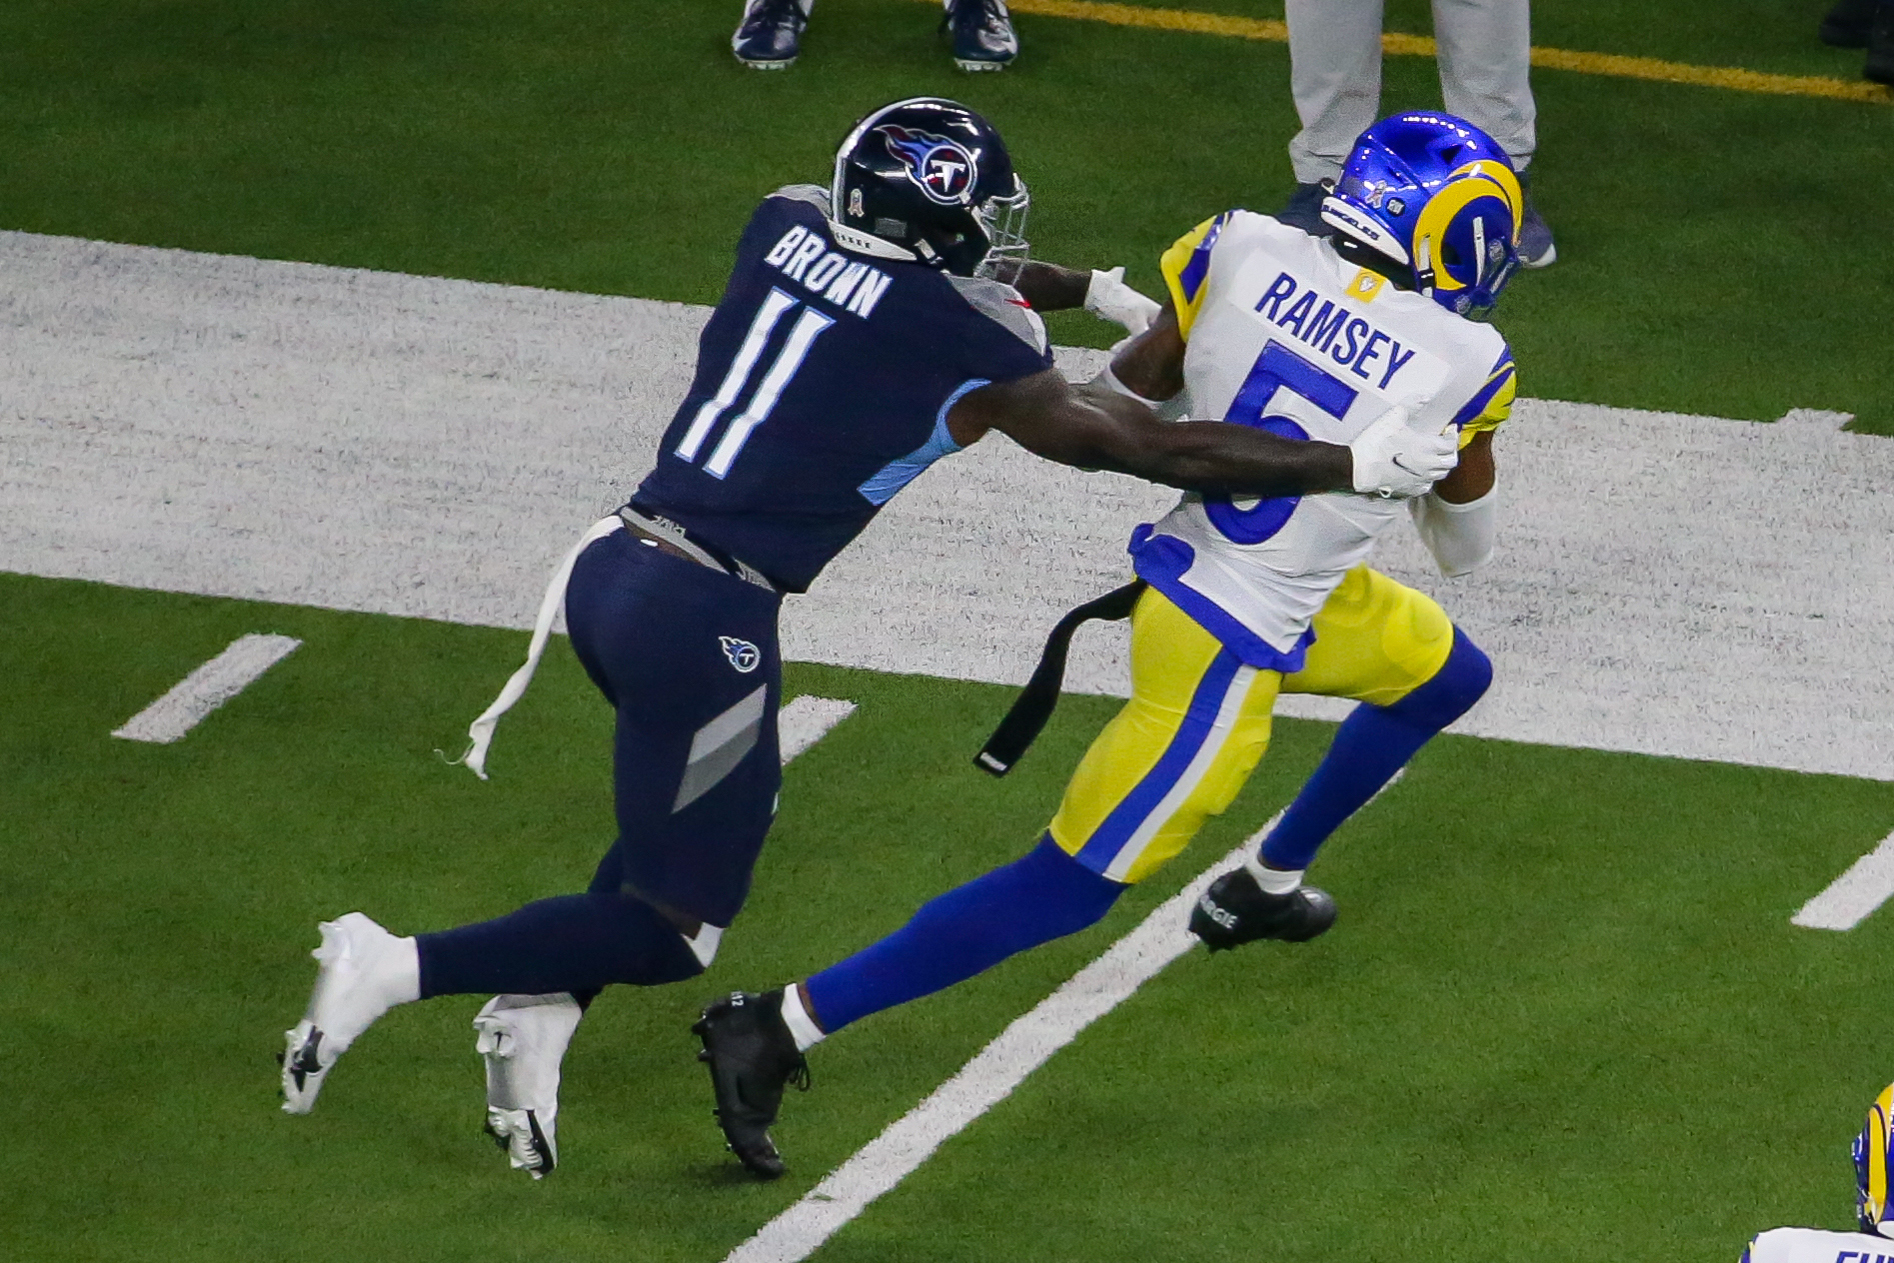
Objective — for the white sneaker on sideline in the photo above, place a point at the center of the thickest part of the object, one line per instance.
(363, 971)
(523, 1040)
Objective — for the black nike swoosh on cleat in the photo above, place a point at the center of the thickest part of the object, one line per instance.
(306, 1062)
(540, 1147)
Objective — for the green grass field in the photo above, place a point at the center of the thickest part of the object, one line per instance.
(1564, 1012)
(1564, 1016)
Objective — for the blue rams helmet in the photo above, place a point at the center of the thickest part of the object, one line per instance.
(1436, 194)
(1871, 1167)
(932, 179)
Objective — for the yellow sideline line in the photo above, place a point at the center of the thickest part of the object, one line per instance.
(1423, 46)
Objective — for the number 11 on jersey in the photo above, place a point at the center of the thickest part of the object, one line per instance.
(802, 335)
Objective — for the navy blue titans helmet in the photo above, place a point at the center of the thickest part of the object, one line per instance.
(933, 179)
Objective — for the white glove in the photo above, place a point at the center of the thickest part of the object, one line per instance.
(1395, 462)
(1109, 298)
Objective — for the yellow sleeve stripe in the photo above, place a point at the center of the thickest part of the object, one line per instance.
(1499, 406)
(1186, 267)
(1492, 403)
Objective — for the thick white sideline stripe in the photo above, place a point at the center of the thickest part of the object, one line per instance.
(205, 689)
(988, 1079)
(807, 720)
(1853, 895)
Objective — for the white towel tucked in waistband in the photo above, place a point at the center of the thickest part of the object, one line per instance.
(481, 730)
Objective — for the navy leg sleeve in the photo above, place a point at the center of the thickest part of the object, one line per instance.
(1044, 895)
(1371, 745)
(567, 943)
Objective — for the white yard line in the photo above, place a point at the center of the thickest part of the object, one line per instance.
(1849, 899)
(988, 1079)
(806, 720)
(205, 689)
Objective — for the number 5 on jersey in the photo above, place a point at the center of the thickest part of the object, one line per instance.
(1276, 367)
(802, 335)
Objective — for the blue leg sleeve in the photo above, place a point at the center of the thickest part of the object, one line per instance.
(1044, 895)
(1371, 745)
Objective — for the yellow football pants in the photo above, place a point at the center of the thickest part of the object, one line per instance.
(1199, 718)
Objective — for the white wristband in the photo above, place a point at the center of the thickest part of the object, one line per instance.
(1109, 380)
(1109, 298)
(1460, 536)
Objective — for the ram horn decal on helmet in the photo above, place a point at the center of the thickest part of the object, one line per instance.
(1433, 193)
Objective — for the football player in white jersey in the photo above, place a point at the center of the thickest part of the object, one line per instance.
(1871, 1244)
(1311, 338)
(1305, 337)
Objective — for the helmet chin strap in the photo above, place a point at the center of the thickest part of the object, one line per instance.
(1424, 267)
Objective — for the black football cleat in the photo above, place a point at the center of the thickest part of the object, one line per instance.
(1236, 910)
(752, 1057)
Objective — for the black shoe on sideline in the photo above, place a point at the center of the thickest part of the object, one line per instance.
(770, 35)
(1880, 67)
(1846, 25)
(983, 34)
(1304, 210)
(1535, 236)
(751, 1056)
(1236, 910)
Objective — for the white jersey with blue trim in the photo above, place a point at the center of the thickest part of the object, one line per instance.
(1284, 334)
(1812, 1245)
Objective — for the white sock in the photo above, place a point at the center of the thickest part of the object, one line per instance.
(347, 1001)
(399, 972)
(1277, 881)
(801, 1025)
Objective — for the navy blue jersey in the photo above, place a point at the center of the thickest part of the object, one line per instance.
(823, 383)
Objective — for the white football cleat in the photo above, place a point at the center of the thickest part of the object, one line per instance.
(363, 971)
(523, 1039)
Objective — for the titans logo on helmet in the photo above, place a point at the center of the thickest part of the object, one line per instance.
(942, 168)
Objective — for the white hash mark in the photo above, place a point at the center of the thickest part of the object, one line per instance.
(807, 720)
(205, 689)
(1853, 895)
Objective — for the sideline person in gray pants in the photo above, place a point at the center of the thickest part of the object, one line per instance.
(1484, 50)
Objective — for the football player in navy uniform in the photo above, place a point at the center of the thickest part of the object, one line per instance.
(868, 329)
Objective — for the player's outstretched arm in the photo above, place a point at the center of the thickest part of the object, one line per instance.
(1049, 287)
(1096, 429)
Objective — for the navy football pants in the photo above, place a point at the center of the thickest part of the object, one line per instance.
(688, 657)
